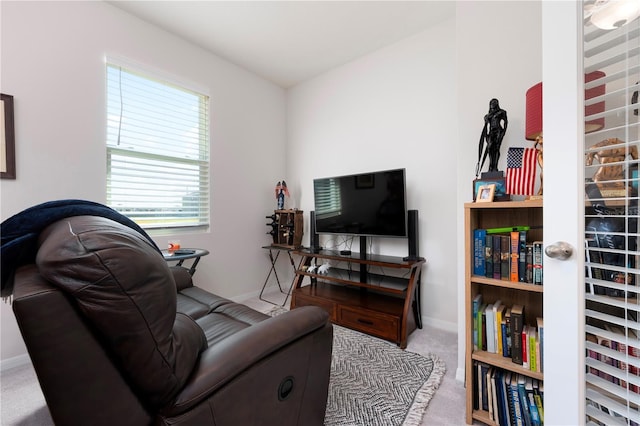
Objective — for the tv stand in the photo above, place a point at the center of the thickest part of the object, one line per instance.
(374, 294)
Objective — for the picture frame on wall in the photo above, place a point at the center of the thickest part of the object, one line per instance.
(7, 138)
(500, 193)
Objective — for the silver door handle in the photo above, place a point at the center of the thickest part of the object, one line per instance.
(560, 250)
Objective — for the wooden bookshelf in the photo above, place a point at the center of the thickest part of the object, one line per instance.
(495, 215)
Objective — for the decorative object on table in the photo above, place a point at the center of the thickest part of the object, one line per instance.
(493, 131)
(485, 193)
(281, 192)
(610, 176)
(286, 228)
(521, 170)
(173, 245)
(7, 138)
(500, 182)
(533, 123)
(324, 268)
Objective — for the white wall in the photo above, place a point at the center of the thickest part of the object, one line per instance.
(417, 104)
(393, 108)
(52, 62)
(420, 104)
(499, 55)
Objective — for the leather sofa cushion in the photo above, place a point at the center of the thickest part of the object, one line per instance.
(124, 288)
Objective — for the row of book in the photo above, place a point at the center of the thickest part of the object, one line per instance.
(507, 256)
(511, 399)
(501, 329)
(626, 362)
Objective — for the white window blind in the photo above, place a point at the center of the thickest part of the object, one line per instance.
(328, 199)
(157, 150)
(612, 305)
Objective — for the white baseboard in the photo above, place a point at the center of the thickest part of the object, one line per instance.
(16, 361)
(460, 374)
(451, 327)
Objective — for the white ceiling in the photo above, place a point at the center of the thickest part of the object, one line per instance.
(288, 42)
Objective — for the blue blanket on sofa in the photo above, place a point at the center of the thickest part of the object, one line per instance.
(19, 233)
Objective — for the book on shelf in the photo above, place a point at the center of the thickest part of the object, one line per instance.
(505, 257)
(522, 396)
(479, 237)
(529, 261)
(501, 408)
(483, 320)
(505, 406)
(525, 346)
(537, 396)
(477, 301)
(517, 322)
(522, 256)
(515, 256)
(537, 263)
(507, 389)
(489, 392)
(497, 257)
(490, 328)
(482, 384)
(540, 325)
(498, 312)
(532, 344)
(488, 256)
(506, 334)
(515, 399)
(479, 327)
(494, 396)
(533, 409)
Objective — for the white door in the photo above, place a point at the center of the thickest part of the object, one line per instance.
(566, 303)
(563, 213)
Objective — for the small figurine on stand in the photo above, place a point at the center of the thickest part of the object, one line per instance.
(281, 191)
(495, 127)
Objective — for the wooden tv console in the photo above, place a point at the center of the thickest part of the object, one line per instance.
(377, 295)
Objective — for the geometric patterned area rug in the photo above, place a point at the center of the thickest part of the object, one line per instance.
(375, 383)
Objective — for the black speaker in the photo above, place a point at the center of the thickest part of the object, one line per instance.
(314, 238)
(412, 230)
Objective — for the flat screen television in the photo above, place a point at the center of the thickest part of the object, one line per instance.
(366, 204)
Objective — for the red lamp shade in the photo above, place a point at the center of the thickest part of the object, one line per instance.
(533, 123)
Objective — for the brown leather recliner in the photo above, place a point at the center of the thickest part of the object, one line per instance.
(118, 338)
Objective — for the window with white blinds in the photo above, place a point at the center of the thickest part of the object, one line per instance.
(612, 234)
(157, 150)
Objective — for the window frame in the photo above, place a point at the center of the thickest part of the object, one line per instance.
(145, 155)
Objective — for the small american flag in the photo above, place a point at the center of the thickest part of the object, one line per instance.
(521, 170)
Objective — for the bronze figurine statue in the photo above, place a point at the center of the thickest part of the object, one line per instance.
(495, 126)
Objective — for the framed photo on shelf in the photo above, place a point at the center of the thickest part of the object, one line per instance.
(500, 193)
(7, 138)
(486, 193)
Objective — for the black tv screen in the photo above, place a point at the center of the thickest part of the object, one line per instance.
(367, 204)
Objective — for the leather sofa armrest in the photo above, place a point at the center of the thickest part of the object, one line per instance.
(221, 363)
(182, 277)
